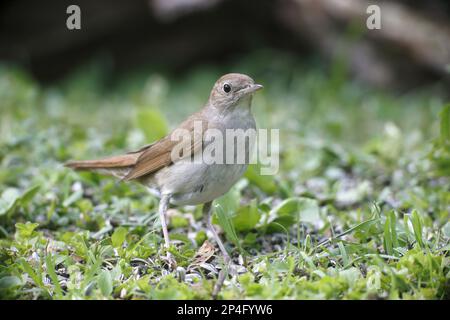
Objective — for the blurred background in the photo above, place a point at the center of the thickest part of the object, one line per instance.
(411, 49)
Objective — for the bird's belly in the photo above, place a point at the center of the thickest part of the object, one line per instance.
(195, 183)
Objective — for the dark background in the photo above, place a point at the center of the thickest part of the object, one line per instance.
(411, 49)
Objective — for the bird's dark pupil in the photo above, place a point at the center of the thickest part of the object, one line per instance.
(227, 88)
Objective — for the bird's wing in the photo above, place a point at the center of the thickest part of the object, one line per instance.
(159, 154)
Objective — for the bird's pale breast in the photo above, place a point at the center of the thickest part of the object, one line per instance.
(195, 183)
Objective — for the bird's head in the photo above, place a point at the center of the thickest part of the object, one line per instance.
(232, 88)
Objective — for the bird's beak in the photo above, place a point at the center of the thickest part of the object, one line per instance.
(252, 88)
(256, 87)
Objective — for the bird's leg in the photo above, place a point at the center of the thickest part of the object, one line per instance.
(163, 205)
(226, 257)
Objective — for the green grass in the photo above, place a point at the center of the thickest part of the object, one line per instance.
(359, 208)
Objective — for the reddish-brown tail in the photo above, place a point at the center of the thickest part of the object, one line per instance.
(121, 161)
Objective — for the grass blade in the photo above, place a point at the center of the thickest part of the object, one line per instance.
(52, 274)
(416, 221)
(387, 241)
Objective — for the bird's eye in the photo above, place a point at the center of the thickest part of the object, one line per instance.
(226, 88)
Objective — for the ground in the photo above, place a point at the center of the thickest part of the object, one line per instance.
(359, 208)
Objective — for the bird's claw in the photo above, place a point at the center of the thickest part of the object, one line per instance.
(170, 261)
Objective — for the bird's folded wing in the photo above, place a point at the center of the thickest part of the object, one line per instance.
(159, 154)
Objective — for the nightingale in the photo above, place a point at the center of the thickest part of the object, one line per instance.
(181, 182)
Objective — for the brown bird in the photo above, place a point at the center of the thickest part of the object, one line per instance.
(178, 179)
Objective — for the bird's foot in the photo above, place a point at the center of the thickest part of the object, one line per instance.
(170, 261)
(223, 274)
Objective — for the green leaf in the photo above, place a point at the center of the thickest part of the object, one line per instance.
(179, 221)
(118, 237)
(287, 207)
(180, 237)
(292, 210)
(200, 237)
(309, 210)
(446, 230)
(305, 209)
(251, 238)
(9, 282)
(8, 201)
(246, 217)
(29, 194)
(230, 201)
(11, 198)
(264, 182)
(280, 224)
(25, 230)
(152, 123)
(104, 282)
